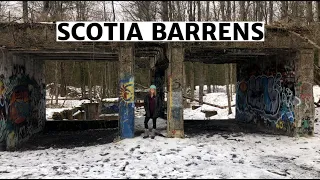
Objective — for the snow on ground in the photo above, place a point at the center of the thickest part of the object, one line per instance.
(213, 98)
(50, 111)
(316, 93)
(215, 155)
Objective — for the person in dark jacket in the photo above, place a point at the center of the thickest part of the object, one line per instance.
(152, 107)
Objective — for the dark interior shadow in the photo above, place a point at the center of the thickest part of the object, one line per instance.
(71, 134)
(218, 126)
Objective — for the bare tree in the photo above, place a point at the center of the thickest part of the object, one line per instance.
(243, 13)
(284, 10)
(222, 5)
(271, 12)
(56, 82)
(228, 11)
(199, 10)
(318, 11)
(190, 11)
(25, 11)
(309, 12)
(165, 11)
(234, 10)
(208, 11)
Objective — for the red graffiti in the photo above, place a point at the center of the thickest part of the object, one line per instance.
(305, 96)
(173, 132)
(19, 105)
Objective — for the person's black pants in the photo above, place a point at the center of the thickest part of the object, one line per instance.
(146, 120)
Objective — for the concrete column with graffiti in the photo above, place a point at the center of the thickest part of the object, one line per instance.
(126, 94)
(175, 126)
(22, 99)
(304, 90)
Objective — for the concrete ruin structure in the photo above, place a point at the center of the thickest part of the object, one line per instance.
(274, 90)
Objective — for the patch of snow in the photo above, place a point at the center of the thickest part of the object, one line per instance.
(316, 93)
(50, 111)
(111, 99)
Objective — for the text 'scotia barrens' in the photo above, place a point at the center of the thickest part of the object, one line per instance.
(159, 31)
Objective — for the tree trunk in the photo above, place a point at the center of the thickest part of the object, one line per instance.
(242, 11)
(113, 12)
(247, 11)
(104, 77)
(82, 80)
(170, 11)
(165, 11)
(206, 77)
(89, 82)
(309, 12)
(25, 11)
(231, 79)
(63, 88)
(284, 10)
(270, 12)
(179, 11)
(94, 79)
(208, 11)
(199, 10)
(234, 10)
(194, 11)
(200, 79)
(260, 11)
(227, 68)
(222, 10)
(215, 11)
(294, 9)
(56, 82)
(229, 15)
(192, 79)
(190, 10)
(318, 10)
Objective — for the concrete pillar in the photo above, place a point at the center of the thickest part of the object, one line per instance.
(22, 99)
(175, 126)
(304, 110)
(126, 95)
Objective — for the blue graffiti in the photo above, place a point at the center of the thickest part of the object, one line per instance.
(264, 97)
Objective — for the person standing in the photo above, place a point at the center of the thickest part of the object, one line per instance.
(152, 107)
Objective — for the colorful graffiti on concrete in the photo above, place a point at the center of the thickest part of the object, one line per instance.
(126, 107)
(306, 126)
(127, 92)
(265, 97)
(22, 114)
(19, 104)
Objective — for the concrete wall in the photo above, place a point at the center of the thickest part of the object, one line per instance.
(22, 99)
(267, 93)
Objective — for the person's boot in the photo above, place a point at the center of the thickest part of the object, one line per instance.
(146, 133)
(153, 133)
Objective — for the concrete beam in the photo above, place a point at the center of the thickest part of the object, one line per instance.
(175, 126)
(126, 95)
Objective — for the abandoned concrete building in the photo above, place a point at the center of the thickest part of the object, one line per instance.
(274, 79)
